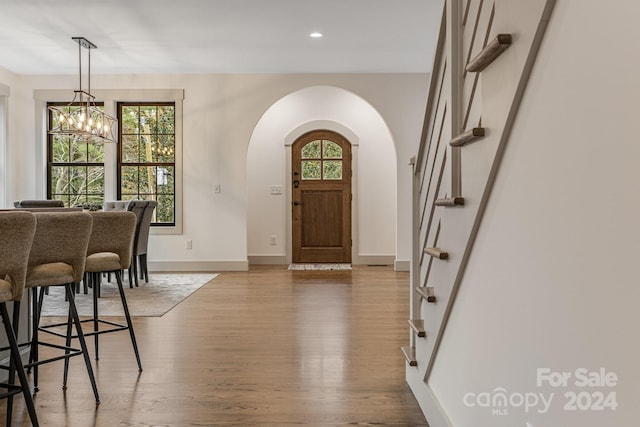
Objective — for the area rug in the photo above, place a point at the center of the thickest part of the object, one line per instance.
(153, 299)
(320, 267)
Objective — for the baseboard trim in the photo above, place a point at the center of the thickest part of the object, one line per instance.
(374, 260)
(435, 414)
(268, 260)
(358, 260)
(198, 266)
(402, 265)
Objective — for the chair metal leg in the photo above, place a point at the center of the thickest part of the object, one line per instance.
(36, 306)
(131, 275)
(95, 280)
(128, 317)
(83, 344)
(144, 272)
(12, 366)
(65, 376)
(19, 368)
(134, 264)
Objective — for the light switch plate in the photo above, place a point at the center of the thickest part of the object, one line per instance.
(276, 189)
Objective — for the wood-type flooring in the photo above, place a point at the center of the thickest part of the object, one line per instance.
(267, 347)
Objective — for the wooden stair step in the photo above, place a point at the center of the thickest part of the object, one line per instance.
(472, 135)
(410, 355)
(427, 292)
(487, 55)
(450, 201)
(418, 327)
(437, 253)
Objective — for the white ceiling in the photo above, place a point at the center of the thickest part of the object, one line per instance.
(219, 36)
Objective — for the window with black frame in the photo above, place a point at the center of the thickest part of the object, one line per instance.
(75, 169)
(146, 156)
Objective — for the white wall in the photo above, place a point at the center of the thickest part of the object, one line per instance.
(5, 91)
(375, 171)
(220, 114)
(553, 279)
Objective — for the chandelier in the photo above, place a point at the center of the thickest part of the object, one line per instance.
(81, 119)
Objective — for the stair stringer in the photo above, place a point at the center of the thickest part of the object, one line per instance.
(463, 100)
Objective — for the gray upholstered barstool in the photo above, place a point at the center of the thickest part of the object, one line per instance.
(57, 258)
(109, 251)
(16, 236)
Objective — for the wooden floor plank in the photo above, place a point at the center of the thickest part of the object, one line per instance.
(264, 347)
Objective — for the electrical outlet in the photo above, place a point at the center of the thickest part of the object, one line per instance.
(273, 240)
(189, 244)
(216, 188)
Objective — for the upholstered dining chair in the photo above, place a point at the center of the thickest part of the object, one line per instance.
(57, 258)
(141, 242)
(16, 236)
(137, 207)
(109, 251)
(115, 205)
(38, 204)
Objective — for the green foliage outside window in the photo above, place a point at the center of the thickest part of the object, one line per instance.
(75, 170)
(332, 169)
(311, 169)
(147, 156)
(322, 168)
(311, 150)
(331, 150)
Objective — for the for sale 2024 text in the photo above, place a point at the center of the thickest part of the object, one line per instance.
(594, 392)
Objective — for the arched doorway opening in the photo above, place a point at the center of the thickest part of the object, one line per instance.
(270, 179)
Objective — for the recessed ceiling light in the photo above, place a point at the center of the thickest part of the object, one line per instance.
(316, 35)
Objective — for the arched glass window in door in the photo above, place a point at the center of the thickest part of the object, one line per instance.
(322, 160)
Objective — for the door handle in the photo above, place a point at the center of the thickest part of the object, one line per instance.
(296, 203)
(296, 183)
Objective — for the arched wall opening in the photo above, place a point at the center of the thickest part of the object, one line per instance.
(374, 183)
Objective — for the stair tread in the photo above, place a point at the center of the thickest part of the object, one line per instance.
(467, 137)
(418, 327)
(427, 292)
(487, 55)
(450, 201)
(437, 253)
(410, 355)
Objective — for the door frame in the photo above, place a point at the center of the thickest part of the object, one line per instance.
(353, 139)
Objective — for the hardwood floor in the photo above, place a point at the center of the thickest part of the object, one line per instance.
(268, 347)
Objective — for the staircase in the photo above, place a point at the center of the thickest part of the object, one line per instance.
(484, 57)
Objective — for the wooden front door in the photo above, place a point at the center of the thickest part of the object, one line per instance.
(321, 198)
